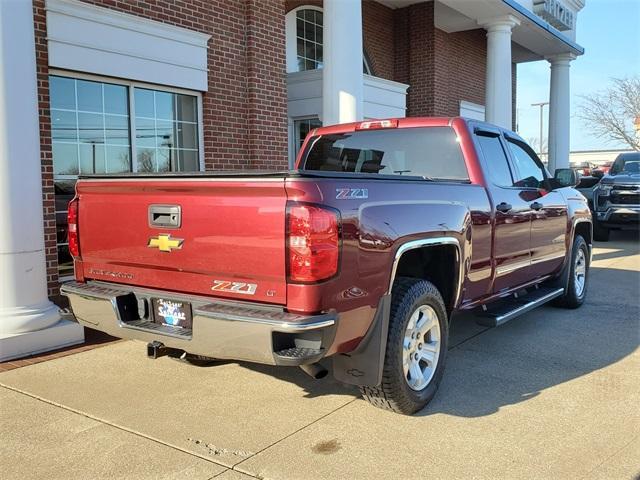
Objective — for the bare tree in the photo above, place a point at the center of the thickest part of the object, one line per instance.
(611, 113)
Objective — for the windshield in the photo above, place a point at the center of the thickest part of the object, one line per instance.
(428, 152)
(626, 163)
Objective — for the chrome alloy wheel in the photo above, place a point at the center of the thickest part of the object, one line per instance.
(421, 347)
(580, 272)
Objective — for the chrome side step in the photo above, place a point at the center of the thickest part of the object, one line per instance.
(506, 310)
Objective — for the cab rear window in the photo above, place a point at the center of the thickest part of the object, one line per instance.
(429, 152)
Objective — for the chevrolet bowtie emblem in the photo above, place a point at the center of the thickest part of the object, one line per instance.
(165, 243)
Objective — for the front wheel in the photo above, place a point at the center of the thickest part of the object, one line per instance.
(576, 290)
(416, 348)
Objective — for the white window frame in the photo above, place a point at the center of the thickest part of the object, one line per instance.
(294, 147)
(291, 34)
(131, 85)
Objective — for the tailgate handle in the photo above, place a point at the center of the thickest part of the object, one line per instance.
(165, 216)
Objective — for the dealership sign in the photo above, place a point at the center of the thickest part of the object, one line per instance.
(556, 13)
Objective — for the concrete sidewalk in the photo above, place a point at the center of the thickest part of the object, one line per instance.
(553, 394)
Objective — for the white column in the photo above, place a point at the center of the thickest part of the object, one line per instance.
(498, 95)
(559, 111)
(342, 76)
(29, 322)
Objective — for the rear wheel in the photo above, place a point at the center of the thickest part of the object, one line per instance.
(416, 348)
(578, 275)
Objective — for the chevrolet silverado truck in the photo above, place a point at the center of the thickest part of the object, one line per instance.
(356, 259)
(616, 198)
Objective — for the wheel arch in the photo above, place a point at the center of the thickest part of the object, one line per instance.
(425, 258)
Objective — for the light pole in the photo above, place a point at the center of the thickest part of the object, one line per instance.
(541, 105)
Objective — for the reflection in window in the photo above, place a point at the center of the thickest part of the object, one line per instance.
(528, 172)
(429, 152)
(89, 127)
(166, 131)
(496, 159)
(309, 32)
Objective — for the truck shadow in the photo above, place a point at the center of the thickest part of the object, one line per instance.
(622, 243)
(488, 369)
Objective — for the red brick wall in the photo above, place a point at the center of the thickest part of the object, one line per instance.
(266, 84)
(441, 68)
(244, 110)
(378, 38)
(421, 95)
(460, 70)
(401, 46)
(291, 4)
(48, 200)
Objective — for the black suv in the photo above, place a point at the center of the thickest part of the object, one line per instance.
(616, 199)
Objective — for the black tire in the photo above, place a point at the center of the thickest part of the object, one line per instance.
(571, 298)
(600, 232)
(394, 393)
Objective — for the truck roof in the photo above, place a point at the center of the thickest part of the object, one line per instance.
(404, 122)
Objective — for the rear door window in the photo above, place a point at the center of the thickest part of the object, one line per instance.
(496, 159)
(429, 152)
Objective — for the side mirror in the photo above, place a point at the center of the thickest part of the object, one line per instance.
(597, 173)
(566, 177)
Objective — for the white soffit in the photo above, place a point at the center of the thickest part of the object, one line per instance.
(98, 40)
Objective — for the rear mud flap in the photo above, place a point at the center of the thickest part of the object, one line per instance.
(363, 366)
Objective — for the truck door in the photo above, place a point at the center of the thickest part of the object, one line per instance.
(548, 209)
(512, 225)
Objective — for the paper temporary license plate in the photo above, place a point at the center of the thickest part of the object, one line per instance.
(172, 313)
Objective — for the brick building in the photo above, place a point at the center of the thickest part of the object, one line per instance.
(98, 86)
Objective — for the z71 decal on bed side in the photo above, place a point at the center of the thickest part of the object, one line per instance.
(351, 193)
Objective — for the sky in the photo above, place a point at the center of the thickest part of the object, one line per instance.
(609, 31)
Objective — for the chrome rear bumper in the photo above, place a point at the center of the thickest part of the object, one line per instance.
(221, 329)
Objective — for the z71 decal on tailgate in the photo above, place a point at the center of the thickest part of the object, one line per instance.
(234, 287)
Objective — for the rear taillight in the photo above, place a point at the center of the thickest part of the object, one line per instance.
(313, 243)
(72, 225)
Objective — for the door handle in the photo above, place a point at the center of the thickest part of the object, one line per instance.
(536, 206)
(165, 216)
(504, 207)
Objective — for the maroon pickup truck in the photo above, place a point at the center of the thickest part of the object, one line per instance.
(361, 254)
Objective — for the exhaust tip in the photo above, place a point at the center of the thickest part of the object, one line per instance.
(315, 370)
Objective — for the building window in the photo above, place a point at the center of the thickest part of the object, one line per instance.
(309, 39)
(166, 131)
(309, 36)
(302, 128)
(91, 131)
(89, 127)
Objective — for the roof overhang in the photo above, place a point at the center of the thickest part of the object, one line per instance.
(534, 38)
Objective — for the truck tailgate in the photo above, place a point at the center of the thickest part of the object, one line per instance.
(230, 241)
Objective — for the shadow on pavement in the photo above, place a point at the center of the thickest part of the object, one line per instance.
(491, 368)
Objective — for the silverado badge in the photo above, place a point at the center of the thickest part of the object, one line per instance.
(165, 243)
